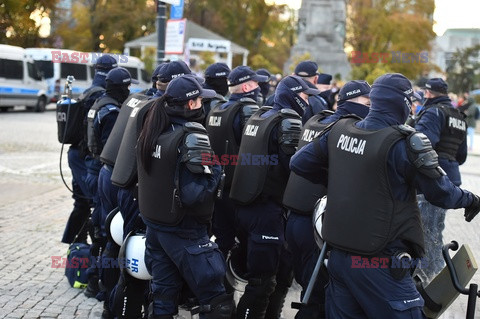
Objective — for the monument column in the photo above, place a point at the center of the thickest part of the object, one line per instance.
(321, 33)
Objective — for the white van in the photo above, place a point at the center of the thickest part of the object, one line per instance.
(57, 64)
(134, 65)
(20, 81)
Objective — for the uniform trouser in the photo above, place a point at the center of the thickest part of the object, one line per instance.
(262, 229)
(305, 252)
(433, 221)
(182, 253)
(371, 293)
(107, 192)
(81, 205)
(130, 212)
(224, 223)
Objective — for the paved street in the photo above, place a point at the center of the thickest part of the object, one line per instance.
(34, 206)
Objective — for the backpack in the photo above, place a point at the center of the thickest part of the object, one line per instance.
(71, 117)
(78, 261)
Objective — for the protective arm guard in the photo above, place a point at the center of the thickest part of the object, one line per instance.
(422, 155)
(289, 135)
(195, 149)
(247, 111)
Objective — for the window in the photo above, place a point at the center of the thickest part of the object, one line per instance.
(79, 71)
(133, 73)
(11, 69)
(46, 67)
(33, 72)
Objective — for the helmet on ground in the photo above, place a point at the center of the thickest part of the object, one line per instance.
(135, 256)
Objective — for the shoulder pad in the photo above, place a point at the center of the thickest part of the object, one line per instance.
(406, 129)
(289, 113)
(326, 112)
(422, 155)
(195, 146)
(194, 126)
(249, 109)
(266, 108)
(289, 135)
(247, 100)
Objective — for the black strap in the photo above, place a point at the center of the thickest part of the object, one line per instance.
(429, 303)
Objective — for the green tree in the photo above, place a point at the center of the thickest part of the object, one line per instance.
(17, 24)
(267, 31)
(402, 29)
(462, 69)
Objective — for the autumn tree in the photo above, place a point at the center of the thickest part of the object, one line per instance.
(106, 25)
(401, 29)
(267, 31)
(18, 23)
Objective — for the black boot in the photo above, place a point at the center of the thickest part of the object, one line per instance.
(253, 304)
(276, 301)
(221, 307)
(92, 287)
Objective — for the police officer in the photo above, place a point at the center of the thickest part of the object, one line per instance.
(76, 158)
(101, 119)
(216, 79)
(225, 124)
(308, 70)
(374, 166)
(301, 195)
(168, 72)
(151, 91)
(324, 85)
(268, 141)
(176, 191)
(445, 127)
(265, 87)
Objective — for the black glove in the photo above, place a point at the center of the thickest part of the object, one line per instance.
(472, 210)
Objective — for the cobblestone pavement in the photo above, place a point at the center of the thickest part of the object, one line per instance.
(34, 206)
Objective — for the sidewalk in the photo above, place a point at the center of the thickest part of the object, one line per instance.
(30, 232)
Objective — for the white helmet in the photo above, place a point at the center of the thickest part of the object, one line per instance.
(318, 211)
(114, 226)
(235, 270)
(135, 257)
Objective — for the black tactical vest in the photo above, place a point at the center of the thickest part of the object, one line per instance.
(453, 134)
(300, 194)
(94, 143)
(219, 126)
(125, 170)
(110, 150)
(158, 191)
(257, 171)
(362, 216)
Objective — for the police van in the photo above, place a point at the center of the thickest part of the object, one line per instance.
(21, 82)
(57, 64)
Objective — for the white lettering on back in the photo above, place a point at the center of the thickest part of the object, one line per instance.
(351, 144)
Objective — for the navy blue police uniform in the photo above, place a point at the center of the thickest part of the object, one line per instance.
(268, 141)
(101, 120)
(76, 157)
(385, 184)
(225, 122)
(446, 129)
(176, 192)
(216, 79)
(300, 198)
